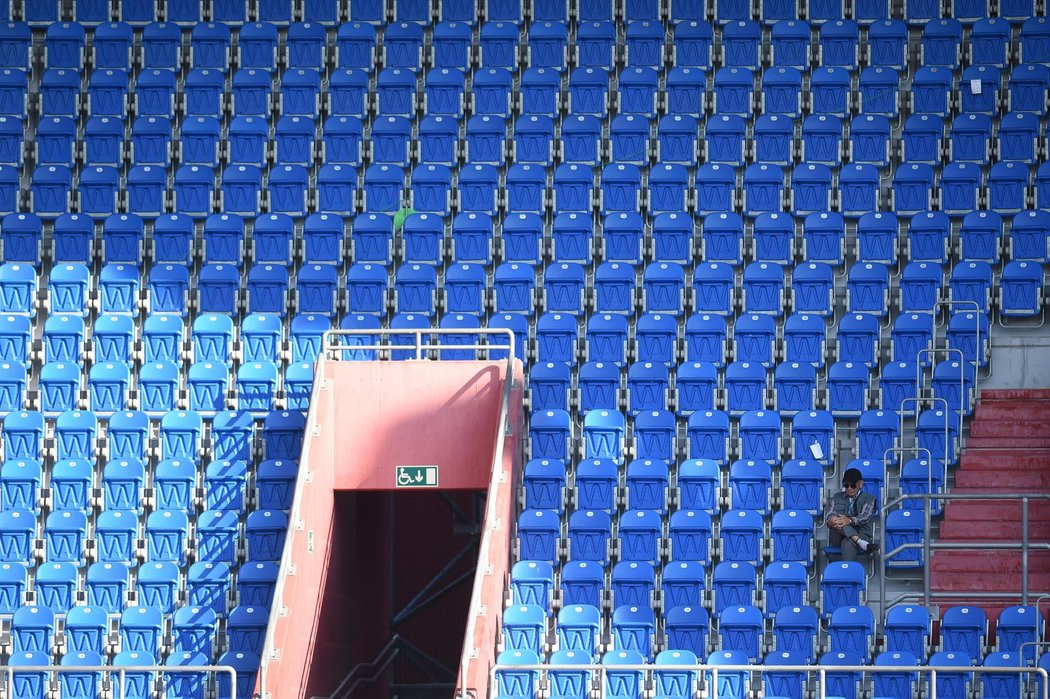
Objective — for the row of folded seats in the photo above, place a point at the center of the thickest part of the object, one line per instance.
(585, 97)
(727, 146)
(180, 434)
(379, 12)
(590, 626)
(666, 289)
(798, 641)
(706, 487)
(612, 247)
(619, 188)
(550, 43)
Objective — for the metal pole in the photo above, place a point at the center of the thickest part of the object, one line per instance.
(1024, 550)
(927, 503)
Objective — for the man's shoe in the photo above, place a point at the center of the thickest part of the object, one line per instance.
(872, 549)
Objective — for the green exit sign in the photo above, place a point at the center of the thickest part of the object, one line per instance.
(416, 477)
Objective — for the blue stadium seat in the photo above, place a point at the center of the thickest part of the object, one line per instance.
(714, 292)
(988, 42)
(734, 91)
(774, 138)
(790, 42)
(920, 286)
(699, 481)
(852, 629)
(603, 435)
(981, 235)
(741, 536)
(116, 534)
(645, 43)
(123, 477)
(158, 383)
(764, 290)
(371, 239)
(348, 94)
(981, 93)
(751, 478)
(13, 92)
(753, 338)
(941, 43)
(964, 629)
(717, 197)
(1006, 186)
(55, 584)
(733, 585)
(745, 384)
(55, 137)
(478, 189)
(725, 138)
(952, 684)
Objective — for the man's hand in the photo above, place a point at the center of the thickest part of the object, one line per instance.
(838, 521)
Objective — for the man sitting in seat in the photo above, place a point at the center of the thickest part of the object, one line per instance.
(851, 521)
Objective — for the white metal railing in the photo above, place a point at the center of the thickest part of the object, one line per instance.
(420, 346)
(708, 674)
(927, 545)
(8, 672)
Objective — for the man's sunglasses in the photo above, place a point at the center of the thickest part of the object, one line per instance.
(849, 485)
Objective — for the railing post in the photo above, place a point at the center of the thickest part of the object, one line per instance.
(1024, 550)
(927, 504)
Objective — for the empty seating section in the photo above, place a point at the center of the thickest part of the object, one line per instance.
(729, 240)
(753, 245)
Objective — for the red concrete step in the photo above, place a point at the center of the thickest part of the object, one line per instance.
(1015, 394)
(1006, 460)
(993, 562)
(1023, 481)
(959, 530)
(995, 442)
(1012, 410)
(1028, 429)
(992, 510)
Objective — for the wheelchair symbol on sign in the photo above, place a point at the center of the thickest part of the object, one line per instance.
(404, 477)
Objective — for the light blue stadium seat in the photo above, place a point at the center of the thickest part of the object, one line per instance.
(511, 682)
(18, 536)
(158, 384)
(23, 434)
(532, 582)
(622, 684)
(156, 585)
(116, 533)
(69, 288)
(20, 480)
(699, 481)
(55, 584)
(124, 475)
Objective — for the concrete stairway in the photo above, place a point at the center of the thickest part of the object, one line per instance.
(1008, 451)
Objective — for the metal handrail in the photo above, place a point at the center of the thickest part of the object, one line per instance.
(927, 545)
(9, 672)
(419, 346)
(702, 669)
(927, 519)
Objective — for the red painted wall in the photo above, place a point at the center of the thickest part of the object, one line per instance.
(415, 413)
